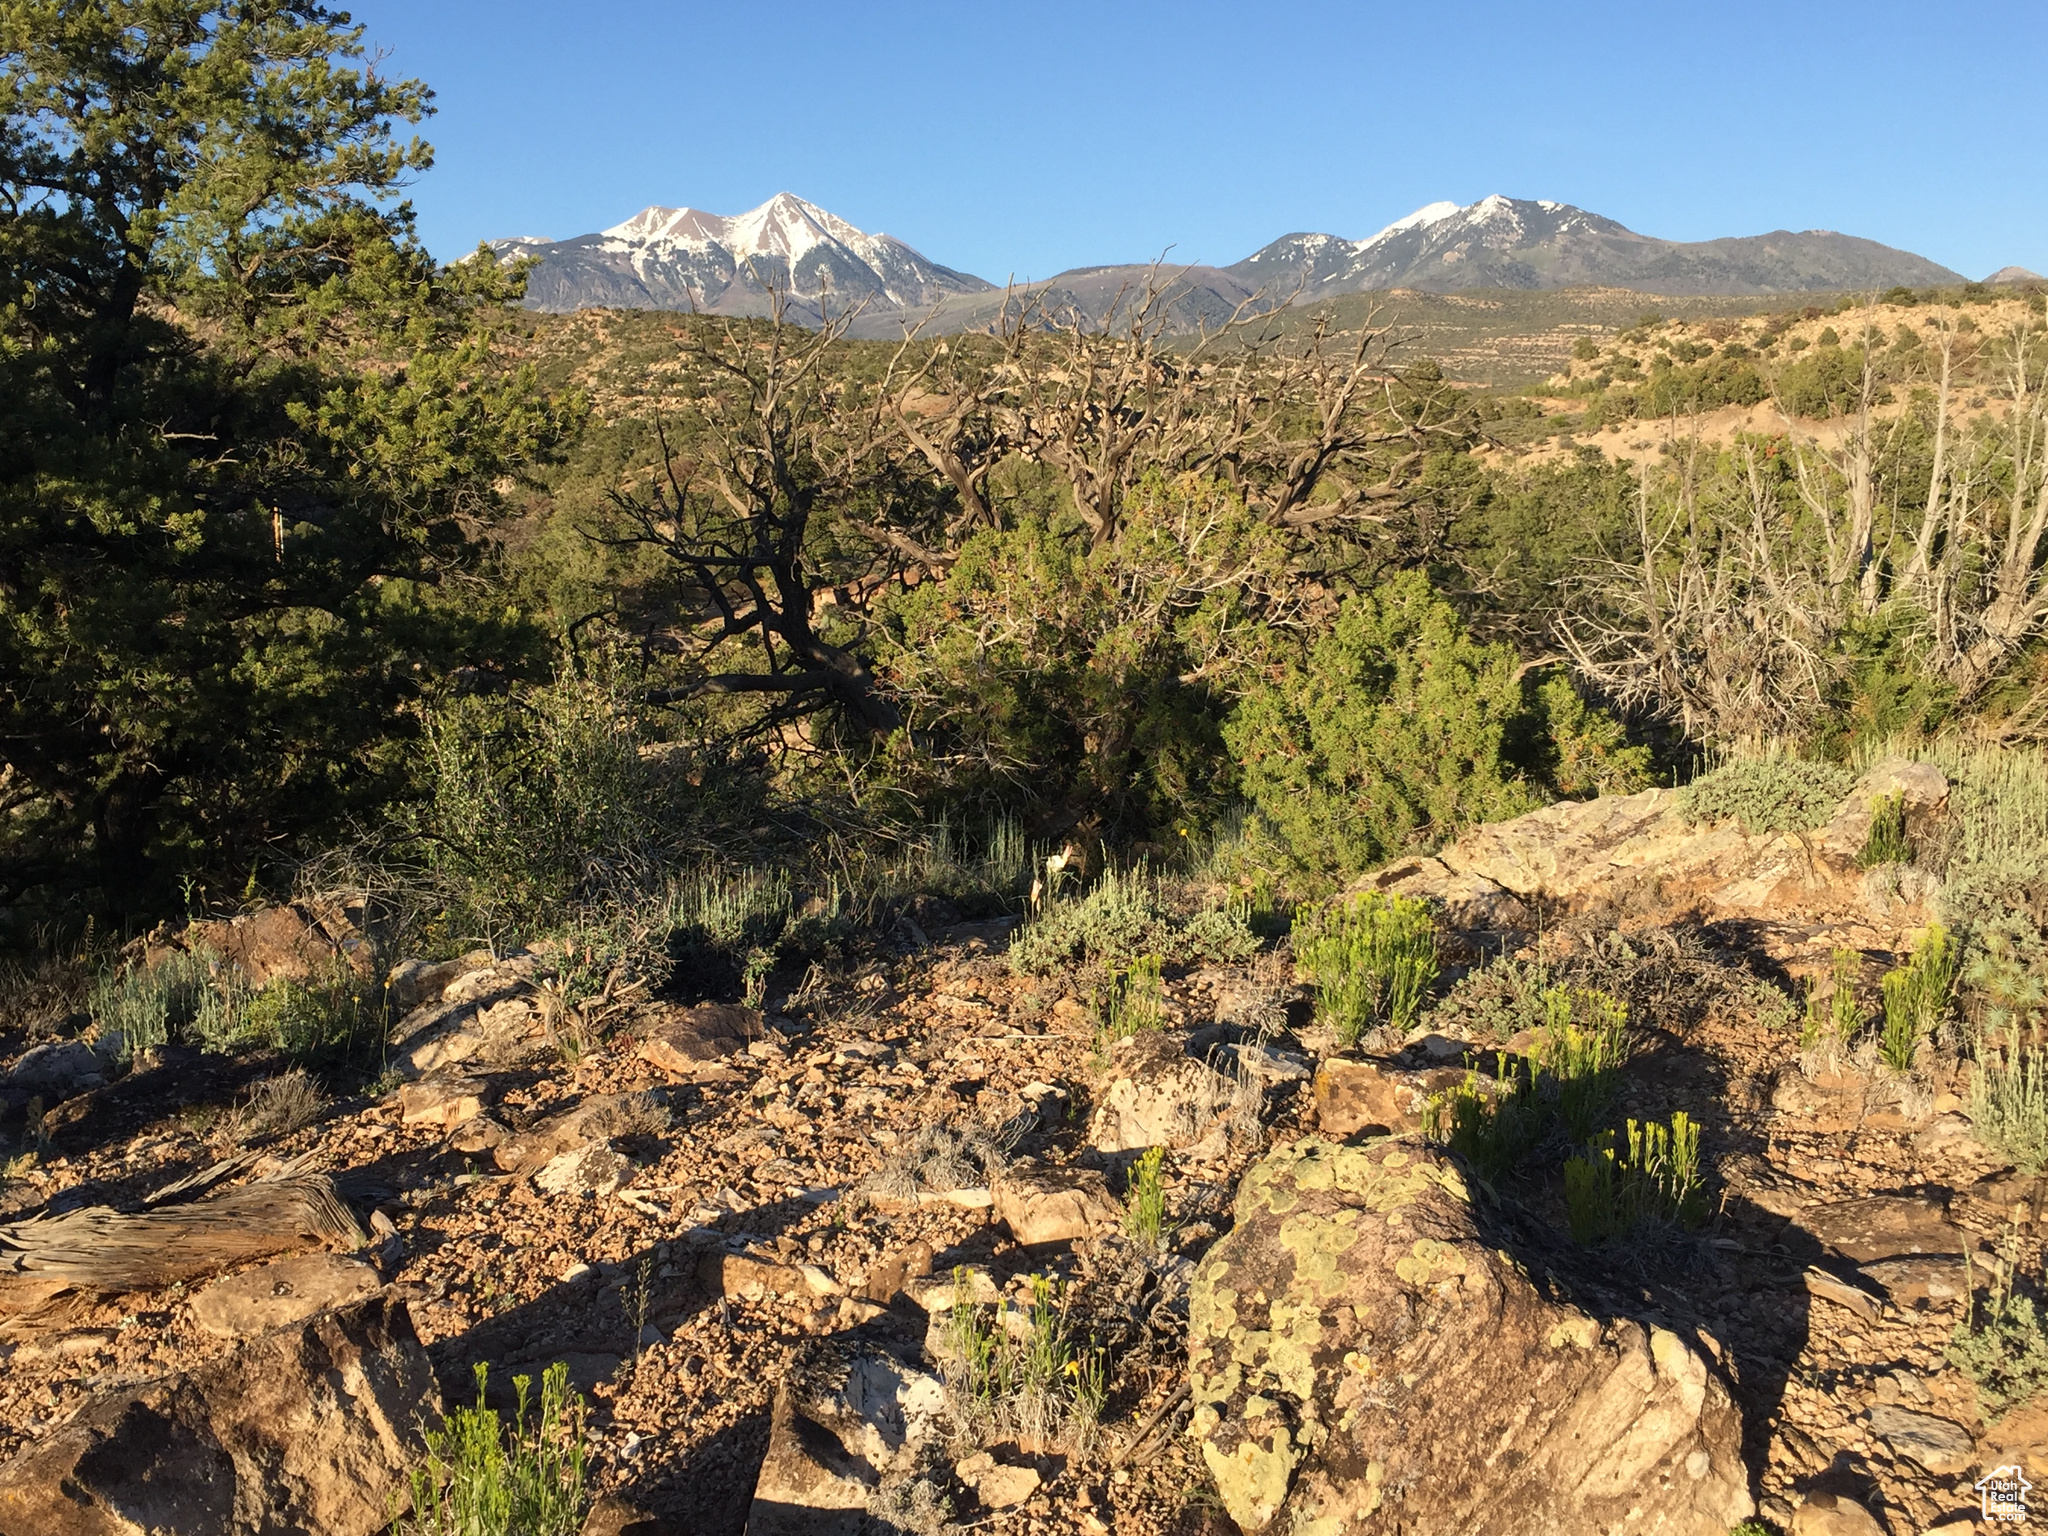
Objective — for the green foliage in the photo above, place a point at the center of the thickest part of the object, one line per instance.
(485, 1478)
(1500, 998)
(1371, 957)
(1134, 1000)
(1767, 794)
(545, 798)
(1581, 751)
(251, 426)
(1395, 729)
(1145, 1202)
(1887, 842)
(1832, 1011)
(2002, 1345)
(1916, 995)
(1225, 935)
(1582, 1048)
(2009, 1105)
(1046, 1382)
(145, 1007)
(1827, 381)
(1660, 1180)
(2007, 958)
(1112, 924)
(1672, 390)
(1493, 1129)
(1051, 670)
(1120, 919)
(196, 999)
(723, 925)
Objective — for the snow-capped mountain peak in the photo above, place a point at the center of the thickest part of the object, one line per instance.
(1509, 242)
(1432, 213)
(687, 258)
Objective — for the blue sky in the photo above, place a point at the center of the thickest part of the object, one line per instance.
(1023, 139)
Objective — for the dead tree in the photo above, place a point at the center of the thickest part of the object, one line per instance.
(786, 446)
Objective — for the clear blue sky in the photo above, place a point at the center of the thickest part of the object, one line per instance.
(1022, 139)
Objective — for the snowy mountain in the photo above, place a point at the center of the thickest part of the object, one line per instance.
(1504, 242)
(685, 258)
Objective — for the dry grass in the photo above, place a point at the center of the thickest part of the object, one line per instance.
(277, 1106)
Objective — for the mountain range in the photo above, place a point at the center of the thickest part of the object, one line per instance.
(684, 258)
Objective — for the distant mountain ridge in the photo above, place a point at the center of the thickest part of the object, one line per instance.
(1505, 242)
(684, 258)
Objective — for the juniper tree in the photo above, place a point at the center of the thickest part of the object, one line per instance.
(247, 428)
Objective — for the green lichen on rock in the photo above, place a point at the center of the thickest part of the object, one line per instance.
(1252, 1474)
(1356, 1349)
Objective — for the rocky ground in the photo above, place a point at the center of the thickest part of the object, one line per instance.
(697, 1210)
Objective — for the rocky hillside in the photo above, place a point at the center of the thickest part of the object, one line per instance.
(888, 1254)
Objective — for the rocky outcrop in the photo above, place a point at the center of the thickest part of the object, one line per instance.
(842, 1422)
(57, 1069)
(303, 940)
(1363, 1360)
(305, 1429)
(692, 1041)
(1154, 1093)
(281, 1293)
(1375, 1098)
(1640, 851)
(486, 1017)
(1053, 1205)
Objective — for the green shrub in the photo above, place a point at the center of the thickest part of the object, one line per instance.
(1832, 1012)
(146, 1008)
(1660, 1180)
(1767, 794)
(1133, 1001)
(725, 930)
(1119, 919)
(1887, 842)
(2009, 1106)
(197, 1000)
(483, 1478)
(1044, 1383)
(1395, 729)
(1371, 957)
(1582, 1048)
(1499, 999)
(1145, 1202)
(1915, 997)
(2001, 1346)
(1222, 934)
(1493, 1130)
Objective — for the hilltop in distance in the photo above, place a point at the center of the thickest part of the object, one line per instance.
(684, 258)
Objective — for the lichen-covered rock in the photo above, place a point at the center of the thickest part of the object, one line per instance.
(1363, 1361)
